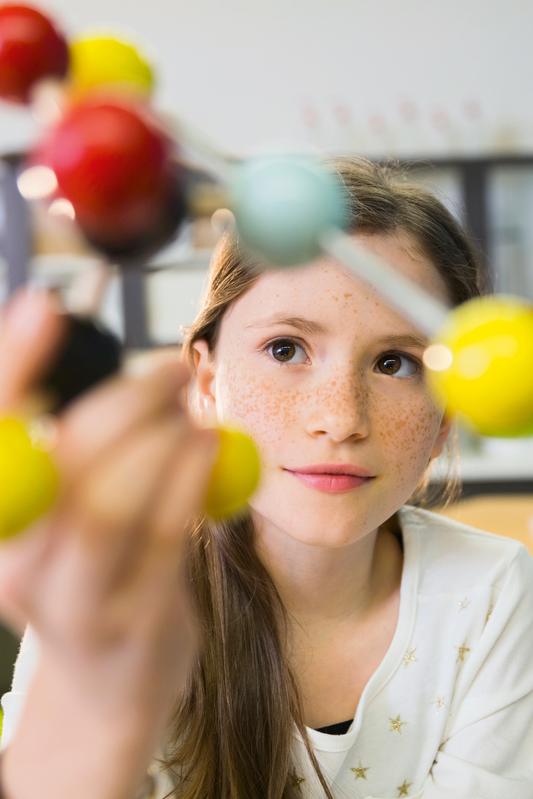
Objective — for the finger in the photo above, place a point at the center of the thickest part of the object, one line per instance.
(100, 420)
(111, 506)
(31, 330)
(179, 501)
(183, 493)
(156, 587)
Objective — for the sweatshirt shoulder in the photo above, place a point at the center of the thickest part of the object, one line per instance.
(452, 556)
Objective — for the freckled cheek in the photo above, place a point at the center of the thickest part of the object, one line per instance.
(269, 414)
(407, 432)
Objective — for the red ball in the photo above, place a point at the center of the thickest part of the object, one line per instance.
(115, 164)
(31, 48)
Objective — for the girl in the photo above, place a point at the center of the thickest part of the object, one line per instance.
(334, 641)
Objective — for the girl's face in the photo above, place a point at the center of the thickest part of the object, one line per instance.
(319, 370)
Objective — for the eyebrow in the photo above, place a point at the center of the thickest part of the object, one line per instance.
(311, 326)
(406, 340)
(305, 325)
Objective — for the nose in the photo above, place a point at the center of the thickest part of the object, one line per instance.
(339, 409)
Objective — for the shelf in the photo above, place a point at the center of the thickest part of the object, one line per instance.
(507, 460)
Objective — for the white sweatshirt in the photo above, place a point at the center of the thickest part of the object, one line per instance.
(448, 713)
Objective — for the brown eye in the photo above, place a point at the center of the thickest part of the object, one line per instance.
(390, 365)
(284, 349)
(397, 365)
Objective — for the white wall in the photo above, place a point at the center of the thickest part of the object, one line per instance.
(246, 71)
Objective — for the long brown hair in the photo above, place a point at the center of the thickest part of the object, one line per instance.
(232, 730)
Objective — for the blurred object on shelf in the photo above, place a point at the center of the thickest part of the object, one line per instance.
(411, 127)
(382, 134)
(508, 515)
(510, 199)
(488, 460)
(446, 127)
(475, 126)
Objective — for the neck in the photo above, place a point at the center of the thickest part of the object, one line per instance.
(322, 586)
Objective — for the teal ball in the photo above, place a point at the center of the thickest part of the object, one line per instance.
(283, 204)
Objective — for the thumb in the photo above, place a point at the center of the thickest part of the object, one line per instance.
(31, 329)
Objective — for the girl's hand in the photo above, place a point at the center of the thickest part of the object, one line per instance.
(100, 579)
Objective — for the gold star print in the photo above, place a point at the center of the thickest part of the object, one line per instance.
(461, 652)
(360, 771)
(297, 781)
(489, 614)
(439, 702)
(409, 657)
(464, 603)
(396, 724)
(403, 789)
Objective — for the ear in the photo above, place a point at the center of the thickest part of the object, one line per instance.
(442, 436)
(204, 369)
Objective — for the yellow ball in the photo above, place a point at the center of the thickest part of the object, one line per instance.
(100, 61)
(235, 474)
(29, 478)
(480, 367)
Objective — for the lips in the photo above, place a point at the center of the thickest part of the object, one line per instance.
(332, 478)
(333, 468)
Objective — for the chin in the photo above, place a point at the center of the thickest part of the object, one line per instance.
(311, 529)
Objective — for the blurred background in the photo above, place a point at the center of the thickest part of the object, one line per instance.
(442, 88)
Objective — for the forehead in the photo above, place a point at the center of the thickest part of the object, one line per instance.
(327, 290)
